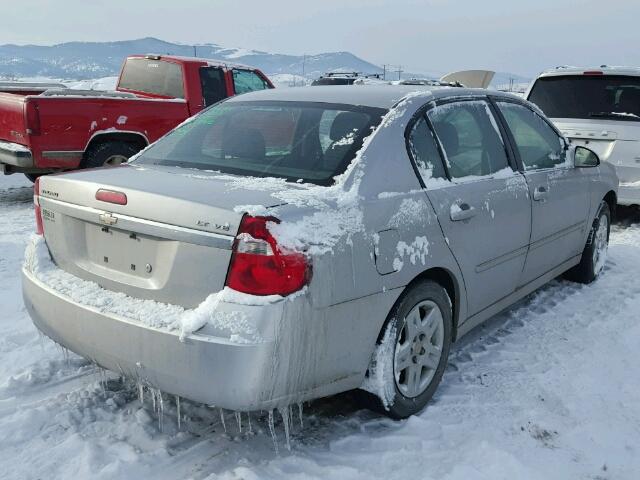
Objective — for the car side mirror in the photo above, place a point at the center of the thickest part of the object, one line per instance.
(585, 158)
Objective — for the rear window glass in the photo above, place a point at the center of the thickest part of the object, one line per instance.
(333, 81)
(590, 96)
(152, 76)
(310, 141)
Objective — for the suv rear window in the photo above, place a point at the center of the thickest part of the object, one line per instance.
(156, 77)
(612, 97)
(306, 141)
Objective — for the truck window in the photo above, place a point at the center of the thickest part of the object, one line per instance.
(212, 83)
(156, 77)
(247, 81)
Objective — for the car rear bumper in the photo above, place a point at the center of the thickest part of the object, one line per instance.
(15, 155)
(629, 193)
(201, 367)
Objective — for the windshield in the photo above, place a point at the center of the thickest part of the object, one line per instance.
(306, 141)
(603, 96)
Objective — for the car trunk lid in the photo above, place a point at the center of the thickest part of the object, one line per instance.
(171, 242)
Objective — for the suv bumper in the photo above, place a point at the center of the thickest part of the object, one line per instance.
(202, 367)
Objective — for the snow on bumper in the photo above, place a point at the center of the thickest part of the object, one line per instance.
(201, 367)
(224, 352)
(15, 154)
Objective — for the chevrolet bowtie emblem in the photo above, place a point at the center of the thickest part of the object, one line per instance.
(108, 219)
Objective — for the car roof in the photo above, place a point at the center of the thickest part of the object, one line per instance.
(377, 96)
(605, 69)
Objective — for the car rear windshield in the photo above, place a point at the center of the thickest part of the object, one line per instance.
(307, 141)
(156, 77)
(612, 97)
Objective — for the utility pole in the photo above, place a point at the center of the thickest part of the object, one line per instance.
(384, 71)
(304, 61)
(399, 71)
(195, 52)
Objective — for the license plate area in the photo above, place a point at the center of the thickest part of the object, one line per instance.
(122, 251)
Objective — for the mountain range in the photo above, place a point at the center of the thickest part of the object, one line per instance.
(89, 60)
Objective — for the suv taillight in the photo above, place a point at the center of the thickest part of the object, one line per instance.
(36, 206)
(259, 266)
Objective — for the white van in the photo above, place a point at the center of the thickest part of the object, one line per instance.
(598, 108)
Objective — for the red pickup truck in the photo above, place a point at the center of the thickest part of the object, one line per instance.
(44, 129)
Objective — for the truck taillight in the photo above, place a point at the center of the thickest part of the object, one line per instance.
(32, 117)
(259, 266)
(37, 208)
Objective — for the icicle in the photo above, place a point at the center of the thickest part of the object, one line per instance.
(178, 410)
(249, 417)
(284, 413)
(152, 391)
(160, 411)
(224, 425)
(141, 393)
(272, 429)
(300, 414)
(238, 416)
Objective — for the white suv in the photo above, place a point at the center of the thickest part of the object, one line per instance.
(598, 108)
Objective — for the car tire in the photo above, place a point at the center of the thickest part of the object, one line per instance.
(411, 353)
(594, 254)
(109, 154)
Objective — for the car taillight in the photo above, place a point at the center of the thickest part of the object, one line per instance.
(37, 208)
(33, 118)
(259, 266)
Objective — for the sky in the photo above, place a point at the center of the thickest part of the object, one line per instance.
(517, 36)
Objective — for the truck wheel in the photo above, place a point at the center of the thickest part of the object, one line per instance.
(412, 352)
(109, 154)
(594, 255)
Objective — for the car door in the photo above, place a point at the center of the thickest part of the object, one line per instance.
(560, 192)
(482, 203)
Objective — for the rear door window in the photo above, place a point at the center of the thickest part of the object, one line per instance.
(470, 139)
(156, 77)
(424, 151)
(213, 86)
(247, 81)
(538, 144)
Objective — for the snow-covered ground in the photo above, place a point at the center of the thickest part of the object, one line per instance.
(546, 390)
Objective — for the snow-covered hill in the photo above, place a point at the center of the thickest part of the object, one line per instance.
(91, 60)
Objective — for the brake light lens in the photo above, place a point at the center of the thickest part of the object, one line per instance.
(593, 72)
(111, 196)
(37, 208)
(33, 117)
(259, 266)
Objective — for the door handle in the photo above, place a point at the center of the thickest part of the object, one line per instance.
(461, 211)
(540, 193)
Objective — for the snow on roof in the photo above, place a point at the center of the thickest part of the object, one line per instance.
(377, 96)
(605, 69)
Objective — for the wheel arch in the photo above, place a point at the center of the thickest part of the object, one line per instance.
(612, 200)
(136, 138)
(447, 280)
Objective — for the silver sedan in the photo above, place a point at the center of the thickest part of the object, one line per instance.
(291, 244)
